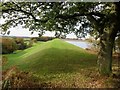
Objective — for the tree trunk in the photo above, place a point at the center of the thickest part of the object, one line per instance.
(105, 54)
(107, 40)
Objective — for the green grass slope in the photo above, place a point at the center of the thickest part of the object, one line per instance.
(54, 56)
(59, 64)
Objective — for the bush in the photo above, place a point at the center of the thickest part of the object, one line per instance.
(34, 40)
(30, 44)
(20, 43)
(43, 38)
(8, 45)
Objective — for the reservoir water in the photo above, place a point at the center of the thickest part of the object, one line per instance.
(81, 44)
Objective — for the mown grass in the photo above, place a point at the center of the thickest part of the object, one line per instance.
(52, 56)
(56, 62)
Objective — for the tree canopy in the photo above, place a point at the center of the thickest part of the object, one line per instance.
(62, 17)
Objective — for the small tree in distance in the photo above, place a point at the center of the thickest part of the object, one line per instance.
(8, 45)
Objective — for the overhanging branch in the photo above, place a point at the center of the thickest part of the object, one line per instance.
(79, 14)
(25, 12)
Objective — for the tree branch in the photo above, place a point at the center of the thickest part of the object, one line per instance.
(79, 14)
(28, 13)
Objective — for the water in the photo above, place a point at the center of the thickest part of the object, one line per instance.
(81, 44)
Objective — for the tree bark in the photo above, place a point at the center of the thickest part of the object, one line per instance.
(105, 54)
(107, 40)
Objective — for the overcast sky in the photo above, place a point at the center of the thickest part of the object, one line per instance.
(19, 31)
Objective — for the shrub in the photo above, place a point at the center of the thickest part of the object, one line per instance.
(20, 43)
(34, 40)
(8, 45)
(19, 40)
(43, 38)
(30, 44)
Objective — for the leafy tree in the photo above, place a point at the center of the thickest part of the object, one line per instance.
(8, 45)
(41, 32)
(98, 19)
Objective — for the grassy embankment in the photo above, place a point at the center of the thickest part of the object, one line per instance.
(57, 62)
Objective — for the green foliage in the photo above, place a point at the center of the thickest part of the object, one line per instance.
(35, 40)
(8, 45)
(30, 44)
(19, 40)
(20, 43)
(49, 16)
(63, 17)
(43, 38)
